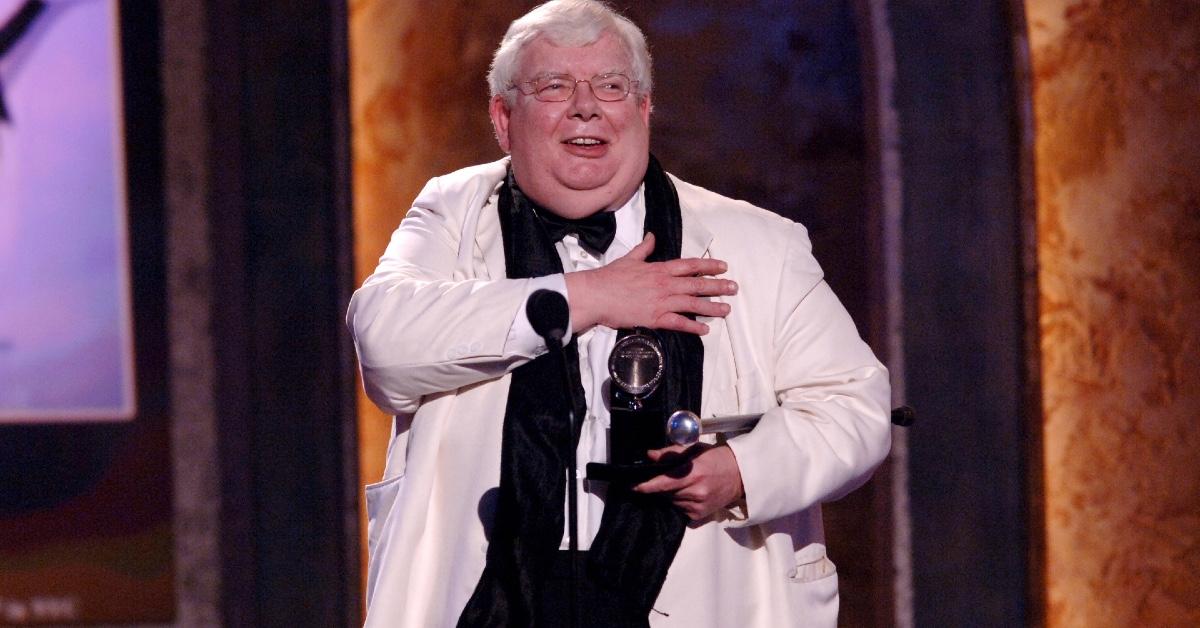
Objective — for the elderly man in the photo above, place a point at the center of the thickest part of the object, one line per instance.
(468, 526)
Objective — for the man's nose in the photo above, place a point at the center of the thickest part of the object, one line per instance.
(584, 103)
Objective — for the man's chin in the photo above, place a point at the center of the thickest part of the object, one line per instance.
(578, 201)
(585, 180)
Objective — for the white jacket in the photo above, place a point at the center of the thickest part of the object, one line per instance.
(430, 327)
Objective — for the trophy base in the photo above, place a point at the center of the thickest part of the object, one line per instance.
(629, 474)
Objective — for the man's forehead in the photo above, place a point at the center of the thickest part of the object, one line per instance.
(605, 54)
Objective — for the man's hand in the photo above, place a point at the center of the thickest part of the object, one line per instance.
(632, 292)
(706, 483)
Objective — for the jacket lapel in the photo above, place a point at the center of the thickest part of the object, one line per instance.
(487, 258)
(696, 236)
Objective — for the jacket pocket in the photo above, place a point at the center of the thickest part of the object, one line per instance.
(818, 569)
(812, 585)
(381, 497)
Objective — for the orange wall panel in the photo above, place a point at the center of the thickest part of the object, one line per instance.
(1116, 89)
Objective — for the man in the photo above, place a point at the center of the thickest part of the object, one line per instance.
(468, 526)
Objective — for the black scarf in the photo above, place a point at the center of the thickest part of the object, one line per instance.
(639, 534)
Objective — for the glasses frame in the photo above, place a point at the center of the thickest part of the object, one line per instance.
(574, 83)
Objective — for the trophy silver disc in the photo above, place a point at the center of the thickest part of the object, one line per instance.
(636, 364)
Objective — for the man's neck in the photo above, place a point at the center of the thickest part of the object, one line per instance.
(580, 205)
(575, 204)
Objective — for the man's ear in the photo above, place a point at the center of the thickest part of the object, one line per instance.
(644, 108)
(500, 113)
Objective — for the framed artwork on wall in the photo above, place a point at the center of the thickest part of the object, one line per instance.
(66, 335)
(86, 513)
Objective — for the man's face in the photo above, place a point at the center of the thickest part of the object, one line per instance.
(582, 155)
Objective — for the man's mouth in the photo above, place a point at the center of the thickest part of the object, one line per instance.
(584, 141)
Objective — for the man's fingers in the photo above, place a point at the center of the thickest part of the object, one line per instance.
(696, 305)
(691, 495)
(686, 493)
(696, 266)
(704, 307)
(678, 322)
(658, 454)
(707, 485)
(643, 249)
(662, 484)
(704, 286)
(677, 478)
(658, 295)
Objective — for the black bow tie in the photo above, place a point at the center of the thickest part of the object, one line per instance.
(596, 232)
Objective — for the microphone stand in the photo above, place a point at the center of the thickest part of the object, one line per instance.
(549, 314)
(555, 344)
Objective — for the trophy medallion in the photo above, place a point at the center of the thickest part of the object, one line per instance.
(636, 365)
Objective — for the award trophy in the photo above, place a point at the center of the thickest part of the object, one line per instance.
(642, 420)
(638, 409)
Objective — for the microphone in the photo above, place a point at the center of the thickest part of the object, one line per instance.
(548, 314)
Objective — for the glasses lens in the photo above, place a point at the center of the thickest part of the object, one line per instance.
(610, 86)
(555, 88)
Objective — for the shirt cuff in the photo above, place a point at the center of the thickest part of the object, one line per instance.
(522, 340)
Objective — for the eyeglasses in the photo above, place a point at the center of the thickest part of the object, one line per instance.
(559, 87)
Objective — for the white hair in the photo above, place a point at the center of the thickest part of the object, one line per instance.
(568, 23)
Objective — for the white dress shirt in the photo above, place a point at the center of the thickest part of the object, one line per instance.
(595, 345)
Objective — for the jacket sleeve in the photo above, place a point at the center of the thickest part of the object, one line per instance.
(832, 426)
(419, 324)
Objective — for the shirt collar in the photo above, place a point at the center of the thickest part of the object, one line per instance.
(631, 223)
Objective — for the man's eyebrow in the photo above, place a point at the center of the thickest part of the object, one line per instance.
(548, 73)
